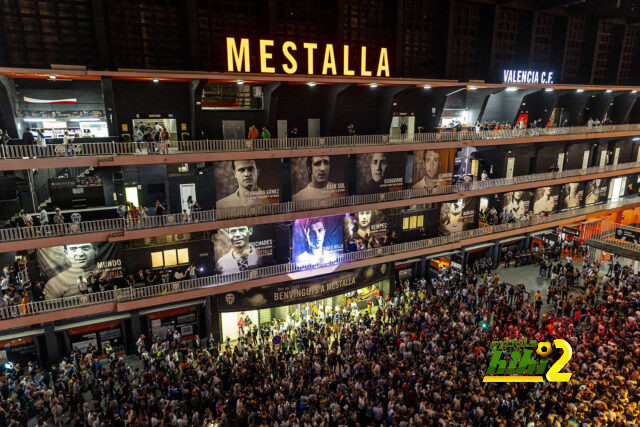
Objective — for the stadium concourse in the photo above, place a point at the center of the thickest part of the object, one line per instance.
(417, 359)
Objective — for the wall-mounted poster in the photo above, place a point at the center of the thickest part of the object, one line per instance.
(596, 191)
(571, 195)
(241, 183)
(62, 265)
(365, 226)
(317, 240)
(517, 202)
(458, 215)
(379, 172)
(545, 200)
(318, 177)
(433, 168)
(243, 247)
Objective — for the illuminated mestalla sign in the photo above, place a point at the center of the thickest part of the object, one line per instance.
(527, 76)
(238, 54)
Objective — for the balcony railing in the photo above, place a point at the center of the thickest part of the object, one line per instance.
(233, 145)
(122, 225)
(130, 294)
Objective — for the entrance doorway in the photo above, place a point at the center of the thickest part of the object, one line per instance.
(282, 128)
(186, 191)
(313, 126)
(397, 121)
(167, 124)
(131, 195)
(233, 129)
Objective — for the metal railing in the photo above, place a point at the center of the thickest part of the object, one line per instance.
(233, 145)
(130, 294)
(122, 225)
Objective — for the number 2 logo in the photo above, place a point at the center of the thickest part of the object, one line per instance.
(554, 374)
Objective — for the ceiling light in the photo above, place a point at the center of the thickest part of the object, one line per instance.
(609, 90)
(472, 88)
(426, 87)
(156, 80)
(511, 89)
(549, 89)
(52, 77)
(311, 84)
(373, 85)
(240, 82)
(579, 90)
(634, 91)
(636, 139)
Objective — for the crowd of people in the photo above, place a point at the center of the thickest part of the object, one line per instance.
(417, 359)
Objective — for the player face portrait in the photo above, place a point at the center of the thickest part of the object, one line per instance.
(315, 235)
(546, 191)
(378, 166)
(517, 196)
(320, 166)
(81, 256)
(455, 208)
(431, 164)
(246, 173)
(239, 236)
(364, 219)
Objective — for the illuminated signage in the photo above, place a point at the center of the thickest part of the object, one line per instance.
(527, 76)
(301, 58)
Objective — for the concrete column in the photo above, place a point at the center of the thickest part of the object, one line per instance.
(53, 353)
(110, 109)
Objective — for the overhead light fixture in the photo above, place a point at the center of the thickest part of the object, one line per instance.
(373, 85)
(511, 89)
(634, 91)
(156, 80)
(311, 84)
(426, 87)
(609, 90)
(549, 89)
(579, 90)
(636, 139)
(472, 88)
(52, 77)
(240, 82)
(88, 119)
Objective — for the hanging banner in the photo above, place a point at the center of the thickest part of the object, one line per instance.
(379, 172)
(241, 183)
(433, 168)
(243, 247)
(317, 240)
(300, 291)
(318, 177)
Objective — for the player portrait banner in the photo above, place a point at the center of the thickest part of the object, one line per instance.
(596, 191)
(317, 240)
(318, 177)
(433, 168)
(545, 200)
(61, 266)
(379, 172)
(244, 247)
(458, 215)
(571, 195)
(242, 183)
(370, 226)
(300, 291)
(518, 202)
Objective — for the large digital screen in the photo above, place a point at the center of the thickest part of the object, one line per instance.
(244, 247)
(571, 195)
(62, 265)
(317, 240)
(241, 183)
(365, 226)
(433, 168)
(518, 202)
(545, 199)
(458, 215)
(379, 172)
(596, 191)
(318, 177)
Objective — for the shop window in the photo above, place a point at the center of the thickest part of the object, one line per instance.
(169, 258)
(412, 222)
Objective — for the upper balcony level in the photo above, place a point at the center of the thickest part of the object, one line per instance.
(78, 153)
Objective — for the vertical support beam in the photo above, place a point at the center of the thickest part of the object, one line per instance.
(110, 107)
(328, 112)
(195, 102)
(8, 98)
(53, 355)
(207, 320)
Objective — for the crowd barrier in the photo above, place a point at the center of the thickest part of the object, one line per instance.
(234, 145)
(122, 225)
(122, 295)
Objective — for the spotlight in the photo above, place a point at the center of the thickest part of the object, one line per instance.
(240, 82)
(549, 89)
(609, 90)
(426, 87)
(373, 85)
(472, 88)
(311, 84)
(52, 77)
(511, 89)
(579, 90)
(634, 91)
(156, 80)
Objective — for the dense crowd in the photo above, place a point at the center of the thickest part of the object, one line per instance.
(418, 359)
